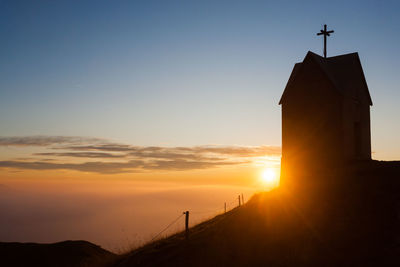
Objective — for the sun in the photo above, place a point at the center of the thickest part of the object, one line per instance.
(270, 177)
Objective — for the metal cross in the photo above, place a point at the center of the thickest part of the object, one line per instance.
(325, 33)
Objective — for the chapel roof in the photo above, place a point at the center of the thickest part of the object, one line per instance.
(344, 71)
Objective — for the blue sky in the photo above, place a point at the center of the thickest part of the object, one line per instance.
(182, 73)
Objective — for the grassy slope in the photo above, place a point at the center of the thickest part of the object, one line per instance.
(348, 219)
(66, 253)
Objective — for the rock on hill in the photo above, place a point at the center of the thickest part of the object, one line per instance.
(346, 219)
(66, 253)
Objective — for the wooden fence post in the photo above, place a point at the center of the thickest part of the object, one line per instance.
(186, 224)
(242, 199)
(225, 207)
(239, 200)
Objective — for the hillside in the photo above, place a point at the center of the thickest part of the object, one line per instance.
(66, 253)
(349, 218)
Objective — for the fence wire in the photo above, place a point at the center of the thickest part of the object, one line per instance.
(168, 226)
(220, 209)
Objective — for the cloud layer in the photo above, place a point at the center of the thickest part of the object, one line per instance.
(46, 140)
(102, 156)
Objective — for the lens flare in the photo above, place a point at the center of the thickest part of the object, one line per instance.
(270, 177)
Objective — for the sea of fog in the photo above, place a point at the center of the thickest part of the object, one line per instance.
(117, 217)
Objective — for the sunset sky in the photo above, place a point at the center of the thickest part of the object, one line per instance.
(97, 97)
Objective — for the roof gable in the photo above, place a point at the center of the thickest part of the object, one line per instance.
(344, 71)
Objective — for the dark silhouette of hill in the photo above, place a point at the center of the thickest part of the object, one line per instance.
(339, 218)
(66, 253)
(345, 217)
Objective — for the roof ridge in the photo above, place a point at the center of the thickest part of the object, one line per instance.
(343, 71)
(320, 62)
(343, 55)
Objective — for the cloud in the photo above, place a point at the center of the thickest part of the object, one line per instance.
(117, 167)
(188, 165)
(110, 147)
(195, 152)
(81, 154)
(241, 151)
(96, 167)
(46, 140)
(122, 158)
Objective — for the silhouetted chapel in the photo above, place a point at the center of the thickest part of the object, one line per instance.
(325, 113)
